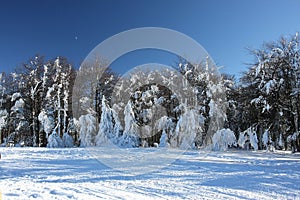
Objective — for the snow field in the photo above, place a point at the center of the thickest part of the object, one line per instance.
(41, 173)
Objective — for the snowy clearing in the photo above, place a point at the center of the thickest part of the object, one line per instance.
(41, 173)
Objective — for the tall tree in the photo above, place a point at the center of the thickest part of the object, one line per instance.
(271, 90)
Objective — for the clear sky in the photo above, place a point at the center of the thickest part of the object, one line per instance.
(72, 28)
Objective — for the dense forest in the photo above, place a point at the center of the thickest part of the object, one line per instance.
(188, 106)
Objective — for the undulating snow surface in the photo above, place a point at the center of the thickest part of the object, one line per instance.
(41, 173)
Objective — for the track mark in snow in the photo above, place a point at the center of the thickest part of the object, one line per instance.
(40, 173)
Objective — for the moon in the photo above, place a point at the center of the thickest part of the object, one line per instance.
(76, 37)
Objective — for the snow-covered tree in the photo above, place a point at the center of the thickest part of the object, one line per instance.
(211, 103)
(3, 111)
(55, 141)
(130, 137)
(29, 84)
(57, 82)
(47, 122)
(163, 141)
(94, 80)
(87, 131)
(87, 124)
(3, 118)
(68, 141)
(39, 85)
(18, 120)
(247, 138)
(217, 108)
(167, 126)
(223, 139)
(110, 128)
(270, 91)
(186, 129)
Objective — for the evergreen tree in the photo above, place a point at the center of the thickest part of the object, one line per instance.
(109, 127)
(270, 91)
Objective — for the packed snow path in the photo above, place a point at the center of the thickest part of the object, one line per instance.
(40, 173)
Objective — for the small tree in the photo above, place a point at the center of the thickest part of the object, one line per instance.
(223, 139)
(130, 137)
(110, 127)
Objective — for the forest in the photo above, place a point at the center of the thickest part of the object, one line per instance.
(48, 103)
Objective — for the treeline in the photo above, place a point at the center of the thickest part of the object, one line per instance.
(267, 99)
(187, 106)
(36, 102)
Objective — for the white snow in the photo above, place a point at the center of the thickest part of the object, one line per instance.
(268, 86)
(54, 141)
(129, 137)
(3, 116)
(265, 138)
(15, 96)
(19, 104)
(67, 140)
(186, 129)
(50, 90)
(87, 130)
(222, 139)
(47, 122)
(280, 142)
(42, 173)
(248, 137)
(163, 140)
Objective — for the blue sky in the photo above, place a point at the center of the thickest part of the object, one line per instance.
(72, 28)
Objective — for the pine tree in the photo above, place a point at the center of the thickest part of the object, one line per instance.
(110, 128)
(130, 137)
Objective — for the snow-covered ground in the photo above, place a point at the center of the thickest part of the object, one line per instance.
(40, 173)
